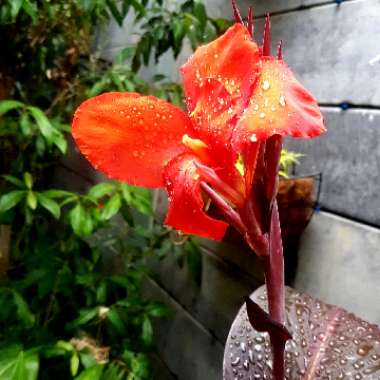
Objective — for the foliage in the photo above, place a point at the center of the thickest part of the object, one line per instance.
(72, 307)
(287, 160)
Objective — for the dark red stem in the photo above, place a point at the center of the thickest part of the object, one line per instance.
(274, 279)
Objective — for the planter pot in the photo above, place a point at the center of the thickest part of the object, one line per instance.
(297, 198)
(327, 343)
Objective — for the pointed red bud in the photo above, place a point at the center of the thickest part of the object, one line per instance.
(250, 26)
(267, 37)
(236, 12)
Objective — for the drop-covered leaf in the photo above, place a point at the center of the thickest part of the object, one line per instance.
(328, 343)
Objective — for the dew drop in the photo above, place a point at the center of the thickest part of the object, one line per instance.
(266, 85)
(282, 101)
(253, 137)
(250, 356)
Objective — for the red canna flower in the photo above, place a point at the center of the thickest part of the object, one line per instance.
(236, 96)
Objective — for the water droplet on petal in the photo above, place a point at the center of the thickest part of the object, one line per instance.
(282, 101)
(266, 85)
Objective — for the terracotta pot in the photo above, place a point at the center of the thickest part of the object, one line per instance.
(328, 343)
(297, 198)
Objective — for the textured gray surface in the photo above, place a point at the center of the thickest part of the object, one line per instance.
(339, 262)
(348, 156)
(329, 48)
(222, 8)
(216, 300)
(189, 351)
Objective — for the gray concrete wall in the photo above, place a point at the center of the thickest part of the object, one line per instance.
(331, 48)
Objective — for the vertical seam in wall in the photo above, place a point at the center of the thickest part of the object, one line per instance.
(249, 278)
(196, 321)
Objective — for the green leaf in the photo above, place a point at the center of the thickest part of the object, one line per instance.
(74, 364)
(147, 331)
(101, 293)
(91, 373)
(125, 190)
(115, 371)
(112, 207)
(126, 53)
(15, 181)
(31, 10)
(76, 218)
(15, 7)
(67, 346)
(28, 180)
(112, 5)
(85, 316)
(9, 200)
(8, 105)
(159, 311)
(60, 142)
(200, 13)
(23, 311)
(31, 200)
(115, 320)
(80, 221)
(140, 367)
(101, 189)
(57, 193)
(17, 364)
(98, 87)
(140, 199)
(43, 122)
(49, 204)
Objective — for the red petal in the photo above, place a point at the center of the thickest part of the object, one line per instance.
(213, 116)
(233, 59)
(130, 137)
(186, 204)
(279, 105)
